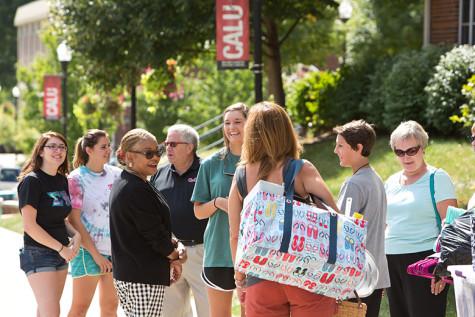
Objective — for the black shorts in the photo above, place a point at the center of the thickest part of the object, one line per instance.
(219, 278)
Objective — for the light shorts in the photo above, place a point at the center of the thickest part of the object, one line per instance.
(35, 259)
(84, 265)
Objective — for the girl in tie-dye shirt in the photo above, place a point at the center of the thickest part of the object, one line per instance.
(89, 187)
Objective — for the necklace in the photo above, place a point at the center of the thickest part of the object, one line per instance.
(362, 166)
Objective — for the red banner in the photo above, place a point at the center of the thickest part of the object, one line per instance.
(232, 34)
(52, 97)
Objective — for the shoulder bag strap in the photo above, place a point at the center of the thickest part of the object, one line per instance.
(432, 196)
(290, 172)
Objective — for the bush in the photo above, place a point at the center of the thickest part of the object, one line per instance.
(445, 88)
(306, 98)
(403, 88)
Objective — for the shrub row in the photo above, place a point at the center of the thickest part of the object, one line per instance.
(424, 85)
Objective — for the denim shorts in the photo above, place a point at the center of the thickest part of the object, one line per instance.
(35, 259)
(84, 265)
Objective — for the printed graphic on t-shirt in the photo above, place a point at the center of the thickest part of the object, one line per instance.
(60, 199)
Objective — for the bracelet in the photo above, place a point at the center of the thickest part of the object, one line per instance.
(214, 203)
(61, 249)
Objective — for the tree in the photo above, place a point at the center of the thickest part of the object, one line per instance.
(116, 41)
(8, 40)
(279, 19)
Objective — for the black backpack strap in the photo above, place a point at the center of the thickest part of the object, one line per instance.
(240, 175)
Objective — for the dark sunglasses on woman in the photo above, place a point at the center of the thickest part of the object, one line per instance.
(471, 138)
(410, 151)
(149, 154)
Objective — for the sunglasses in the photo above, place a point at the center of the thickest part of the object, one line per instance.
(471, 138)
(174, 144)
(54, 147)
(149, 154)
(410, 151)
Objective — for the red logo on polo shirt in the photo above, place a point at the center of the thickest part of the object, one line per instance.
(191, 180)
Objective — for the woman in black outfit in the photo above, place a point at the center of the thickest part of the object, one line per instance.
(142, 248)
(44, 204)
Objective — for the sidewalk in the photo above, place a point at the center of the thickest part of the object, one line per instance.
(16, 296)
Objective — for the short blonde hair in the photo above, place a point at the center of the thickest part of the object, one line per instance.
(409, 129)
(269, 138)
(129, 140)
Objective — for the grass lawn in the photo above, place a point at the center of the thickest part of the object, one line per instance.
(454, 156)
(12, 222)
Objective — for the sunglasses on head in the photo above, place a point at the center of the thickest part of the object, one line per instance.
(174, 144)
(149, 154)
(410, 151)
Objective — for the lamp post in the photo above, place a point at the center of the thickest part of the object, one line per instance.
(257, 67)
(345, 9)
(16, 96)
(64, 56)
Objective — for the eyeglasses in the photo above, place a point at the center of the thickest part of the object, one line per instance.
(471, 138)
(149, 154)
(410, 151)
(174, 144)
(54, 147)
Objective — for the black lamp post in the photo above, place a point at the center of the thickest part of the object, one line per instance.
(257, 67)
(16, 96)
(344, 11)
(64, 56)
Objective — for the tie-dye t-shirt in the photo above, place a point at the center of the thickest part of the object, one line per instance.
(90, 192)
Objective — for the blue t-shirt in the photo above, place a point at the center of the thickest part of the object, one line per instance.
(411, 220)
(214, 180)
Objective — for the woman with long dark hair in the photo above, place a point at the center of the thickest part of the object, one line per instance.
(44, 204)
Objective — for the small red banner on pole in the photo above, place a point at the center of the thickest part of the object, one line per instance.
(52, 97)
(232, 34)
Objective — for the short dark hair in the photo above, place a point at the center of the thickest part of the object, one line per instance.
(358, 132)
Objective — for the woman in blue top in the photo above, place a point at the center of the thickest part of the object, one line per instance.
(412, 224)
(210, 199)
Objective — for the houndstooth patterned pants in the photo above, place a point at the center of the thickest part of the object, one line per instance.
(140, 300)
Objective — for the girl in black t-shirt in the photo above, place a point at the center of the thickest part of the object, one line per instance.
(44, 204)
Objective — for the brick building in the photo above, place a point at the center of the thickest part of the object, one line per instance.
(449, 21)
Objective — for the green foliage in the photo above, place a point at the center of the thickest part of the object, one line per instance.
(445, 87)
(208, 91)
(346, 98)
(7, 126)
(467, 110)
(116, 41)
(307, 100)
(8, 42)
(396, 91)
(98, 109)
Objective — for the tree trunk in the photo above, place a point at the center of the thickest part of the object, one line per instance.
(273, 67)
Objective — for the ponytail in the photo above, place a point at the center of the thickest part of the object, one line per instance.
(80, 156)
(88, 140)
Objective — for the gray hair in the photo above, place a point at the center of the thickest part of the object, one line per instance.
(409, 129)
(188, 134)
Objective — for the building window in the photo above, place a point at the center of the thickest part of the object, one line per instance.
(467, 22)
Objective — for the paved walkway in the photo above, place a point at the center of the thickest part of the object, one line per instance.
(16, 296)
